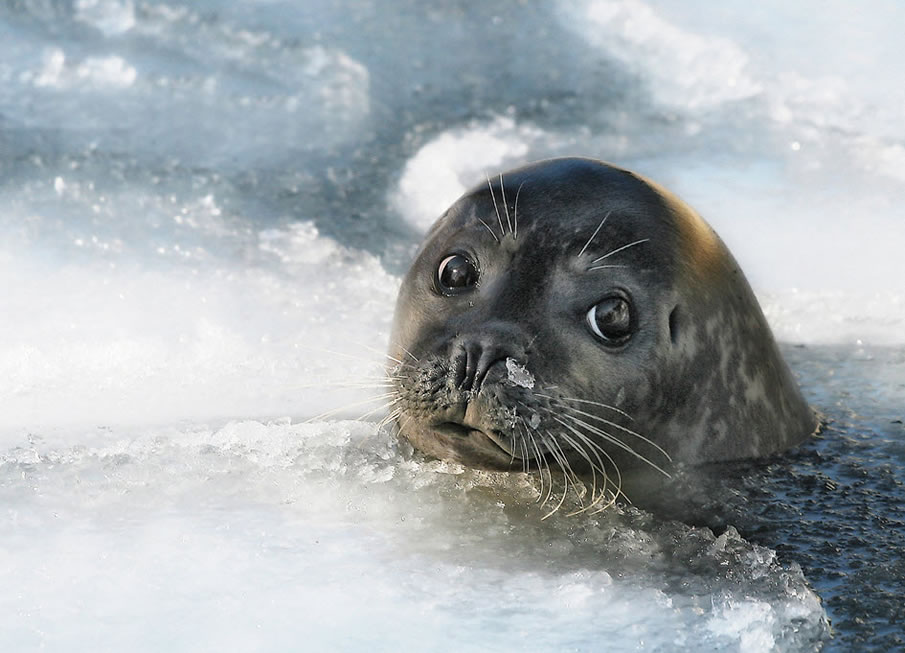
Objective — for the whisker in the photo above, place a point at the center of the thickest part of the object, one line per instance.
(593, 234)
(565, 479)
(347, 406)
(376, 351)
(541, 463)
(587, 401)
(621, 428)
(595, 448)
(619, 249)
(581, 452)
(604, 267)
(330, 385)
(371, 412)
(344, 354)
(490, 230)
(609, 437)
(389, 418)
(410, 354)
(618, 484)
(524, 448)
(568, 473)
(495, 207)
(505, 204)
(515, 218)
(546, 467)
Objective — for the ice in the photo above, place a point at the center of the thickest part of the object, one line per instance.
(205, 212)
(278, 533)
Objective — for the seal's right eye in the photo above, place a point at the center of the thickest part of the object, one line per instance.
(456, 273)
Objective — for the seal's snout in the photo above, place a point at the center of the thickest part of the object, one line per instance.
(472, 356)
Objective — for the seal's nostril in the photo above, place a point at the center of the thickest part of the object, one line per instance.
(458, 366)
(464, 364)
(470, 359)
(488, 359)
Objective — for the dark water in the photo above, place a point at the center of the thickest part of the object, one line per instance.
(836, 504)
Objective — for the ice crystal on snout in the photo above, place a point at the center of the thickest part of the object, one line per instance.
(518, 374)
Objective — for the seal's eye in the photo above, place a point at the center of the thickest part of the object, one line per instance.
(611, 320)
(456, 272)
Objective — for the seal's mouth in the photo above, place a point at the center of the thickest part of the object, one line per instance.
(464, 431)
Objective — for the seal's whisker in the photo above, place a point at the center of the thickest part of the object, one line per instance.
(556, 459)
(515, 217)
(619, 249)
(587, 401)
(614, 493)
(542, 466)
(495, 207)
(511, 456)
(586, 447)
(564, 461)
(621, 428)
(333, 411)
(490, 230)
(524, 447)
(377, 351)
(389, 418)
(593, 234)
(593, 446)
(529, 440)
(605, 267)
(597, 448)
(609, 437)
(568, 473)
(321, 350)
(505, 204)
(562, 500)
(407, 352)
(523, 443)
(383, 407)
(331, 385)
(549, 469)
(576, 446)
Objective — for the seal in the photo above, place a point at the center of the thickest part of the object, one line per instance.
(574, 314)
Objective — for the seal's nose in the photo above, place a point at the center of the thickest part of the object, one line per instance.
(471, 357)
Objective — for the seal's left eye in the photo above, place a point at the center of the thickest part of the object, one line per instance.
(456, 272)
(611, 320)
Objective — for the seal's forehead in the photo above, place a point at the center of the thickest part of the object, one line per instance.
(571, 181)
(561, 199)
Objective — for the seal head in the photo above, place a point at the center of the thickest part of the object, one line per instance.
(574, 313)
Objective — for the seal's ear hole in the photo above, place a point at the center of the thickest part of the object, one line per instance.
(674, 325)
